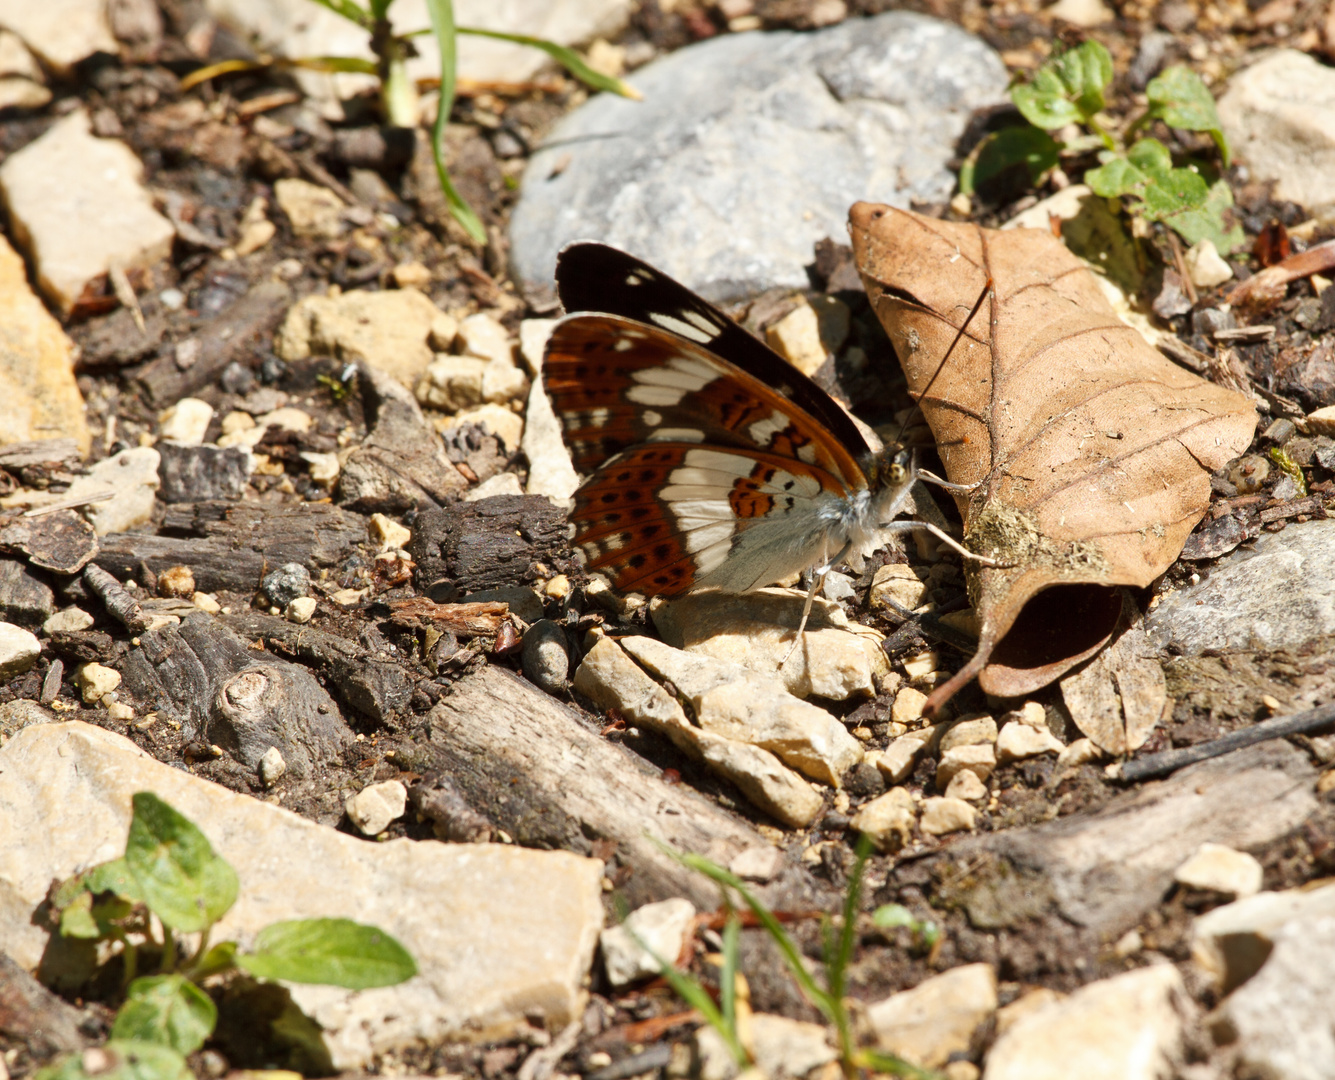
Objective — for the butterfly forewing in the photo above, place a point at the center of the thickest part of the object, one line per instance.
(595, 277)
(616, 383)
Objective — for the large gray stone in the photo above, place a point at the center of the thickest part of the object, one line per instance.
(1279, 595)
(1281, 1019)
(748, 148)
(503, 936)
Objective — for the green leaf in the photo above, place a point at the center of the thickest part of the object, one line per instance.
(1181, 100)
(168, 1010)
(893, 916)
(567, 58)
(351, 11)
(115, 877)
(333, 952)
(182, 881)
(120, 1060)
(1207, 221)
(1068, 88)
(355, 65)
(222, 957)
(878, 1061)
(442, 22)
(1031, 147)
(76, 920)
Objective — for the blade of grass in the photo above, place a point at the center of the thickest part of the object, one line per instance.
(350, 10)
(787, 949)
(224, 67)
(732, 933)
(567, 58)
(442, 21)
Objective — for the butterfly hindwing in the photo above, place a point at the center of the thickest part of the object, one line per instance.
(597, 277)
(665, 517)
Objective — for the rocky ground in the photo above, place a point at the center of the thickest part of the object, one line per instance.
(282, 508)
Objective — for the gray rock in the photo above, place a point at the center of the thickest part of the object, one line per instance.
(24, 598)
(546, 655)
(197, 473)
(17, 714)
(289, 582)
(1280, 1019)
(1278, 595)
(748, 148)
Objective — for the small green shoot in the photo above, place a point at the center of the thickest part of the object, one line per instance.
(1069, 89)
(1285, 462)
(838, 945)
(170, 877)
(398, 94)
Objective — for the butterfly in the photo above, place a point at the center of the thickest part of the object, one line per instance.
(711, 461)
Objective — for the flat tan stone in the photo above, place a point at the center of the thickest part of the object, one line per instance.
(835, 659)
(1222, 869)
(61, 32)
(78, 207)
(612, 680)
(736, 704)
(1128, 1027)
(1232, 942)
(42, 399)
(500, 934)
(390, 330)
(938, 1017)
(942, 815)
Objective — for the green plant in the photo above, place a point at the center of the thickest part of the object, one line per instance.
(171, 881)
(398, 94)
(1069, 89)
(838, 941)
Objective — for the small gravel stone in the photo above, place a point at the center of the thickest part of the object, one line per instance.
(977, 758)
(546, 655)
(898, 582)
(888, 820)
(1018, 740)
(908, 706)
(186, 422)
(374, 807)
(482, 336)
(661, 927)
(19, 650)
(896, 761)
(966, 785)
(388, 533)
(300, 610)
(176, 581)
(313, 210)
(96, 681)
(287, 583)
(1221, 869)
(969, 731)
(760, 863)
(206, 602)
(272, 767)
(942, 815)
(118, 710)
(71, 620)
(1206, 266)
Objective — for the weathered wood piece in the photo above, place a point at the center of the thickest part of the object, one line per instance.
(206, 678)
(526, 762)
(61, 541)
(231, 546)
(196, 473)
(33, 1016)
(233, 334)
(401, 463)
(120, 605)
(376, 688)
(487, 544)
(1102, 871)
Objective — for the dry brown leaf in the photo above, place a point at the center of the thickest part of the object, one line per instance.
(477, 619)
(1091, 450)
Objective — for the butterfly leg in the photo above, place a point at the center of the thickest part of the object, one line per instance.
(816, 584)
(962, 489)
(909, 526)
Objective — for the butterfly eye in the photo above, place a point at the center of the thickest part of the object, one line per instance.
(897, 472)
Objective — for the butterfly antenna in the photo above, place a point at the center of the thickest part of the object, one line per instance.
(917, 403)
